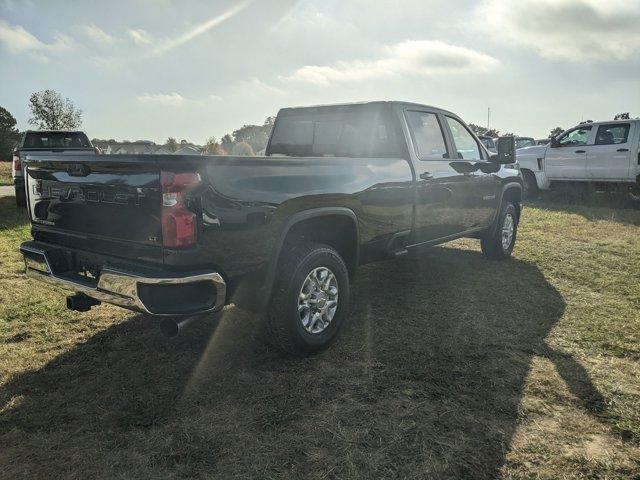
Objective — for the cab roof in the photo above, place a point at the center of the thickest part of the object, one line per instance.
(369, 103)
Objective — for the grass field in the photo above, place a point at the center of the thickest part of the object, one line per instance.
(5, 173)
(452, 366)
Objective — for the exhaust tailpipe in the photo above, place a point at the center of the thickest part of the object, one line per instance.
(81, 302)
(172, 327)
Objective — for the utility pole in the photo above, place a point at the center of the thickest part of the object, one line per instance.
(488, 118)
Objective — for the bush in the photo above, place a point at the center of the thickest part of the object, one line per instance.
(242, 149)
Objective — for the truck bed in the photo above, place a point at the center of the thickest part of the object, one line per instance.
(112, 204)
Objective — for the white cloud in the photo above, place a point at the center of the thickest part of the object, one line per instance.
(17, 40)
(165, 99)
(257, 86)
(140, 37)
(96, 34)
(412, 57)
(574, 30)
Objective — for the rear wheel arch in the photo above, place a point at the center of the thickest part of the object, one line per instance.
(336, 227)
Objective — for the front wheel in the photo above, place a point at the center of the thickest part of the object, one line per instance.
(310, 300)
(498, 243)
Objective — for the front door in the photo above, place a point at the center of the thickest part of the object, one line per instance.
(482, 185)
(608, 157)
(568, 160)
(448, 187)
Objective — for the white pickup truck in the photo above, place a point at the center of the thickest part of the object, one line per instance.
(603, 153)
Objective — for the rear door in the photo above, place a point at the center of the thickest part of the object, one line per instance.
(97, 203)
(608, 158)
(568, 160)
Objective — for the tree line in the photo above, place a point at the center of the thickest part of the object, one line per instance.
(246, 140)
(51, 111)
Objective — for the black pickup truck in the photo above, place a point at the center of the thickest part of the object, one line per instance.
(283, 234)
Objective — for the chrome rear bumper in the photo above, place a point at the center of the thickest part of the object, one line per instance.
(117, 286)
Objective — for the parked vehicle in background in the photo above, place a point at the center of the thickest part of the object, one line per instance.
(488, 142)
(605, 154)
(45, 142)
(341, 185)
(543, 141)
(523, 142)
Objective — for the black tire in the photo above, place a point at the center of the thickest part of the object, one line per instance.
(21, 197)
(284, 325)
(492, 244)
(530, 184)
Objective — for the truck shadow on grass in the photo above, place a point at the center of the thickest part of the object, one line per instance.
(425, 380)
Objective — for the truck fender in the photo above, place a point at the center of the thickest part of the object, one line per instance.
(506, 187)
(272, 268)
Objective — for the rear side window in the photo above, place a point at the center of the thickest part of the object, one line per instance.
(613, 134)
(466, 146)
(56, 140)
(427, 135)
(335, 132)
(525, 142)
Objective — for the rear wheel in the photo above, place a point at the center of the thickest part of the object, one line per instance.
(310, 299)
(498, 243)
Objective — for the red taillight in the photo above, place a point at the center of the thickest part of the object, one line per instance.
(17, 165)
(179, 224)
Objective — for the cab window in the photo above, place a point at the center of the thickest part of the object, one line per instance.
(427, 135)
(465, 144)
(613, 134)
(572, 138)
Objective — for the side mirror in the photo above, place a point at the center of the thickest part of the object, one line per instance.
(554, 142)
(506, 147)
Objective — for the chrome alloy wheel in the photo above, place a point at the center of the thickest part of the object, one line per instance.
(508, 226)
(318, 300)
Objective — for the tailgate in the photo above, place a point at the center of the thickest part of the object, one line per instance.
(97, 203)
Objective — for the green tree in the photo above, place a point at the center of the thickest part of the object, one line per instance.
(8, 134)
(255, 135)
(622, 116)
(212, 147)
(489, 132)
(227, 142)
(49, 111)
(171, 144)
(555, 132)
(242, 149)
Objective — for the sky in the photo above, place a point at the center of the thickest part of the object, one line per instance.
(191, 69)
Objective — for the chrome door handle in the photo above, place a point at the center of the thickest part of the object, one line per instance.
(426, 176)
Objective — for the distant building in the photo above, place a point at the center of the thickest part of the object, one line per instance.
(131, 148)
(162, 150)
(187, 150)
(146, 147)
